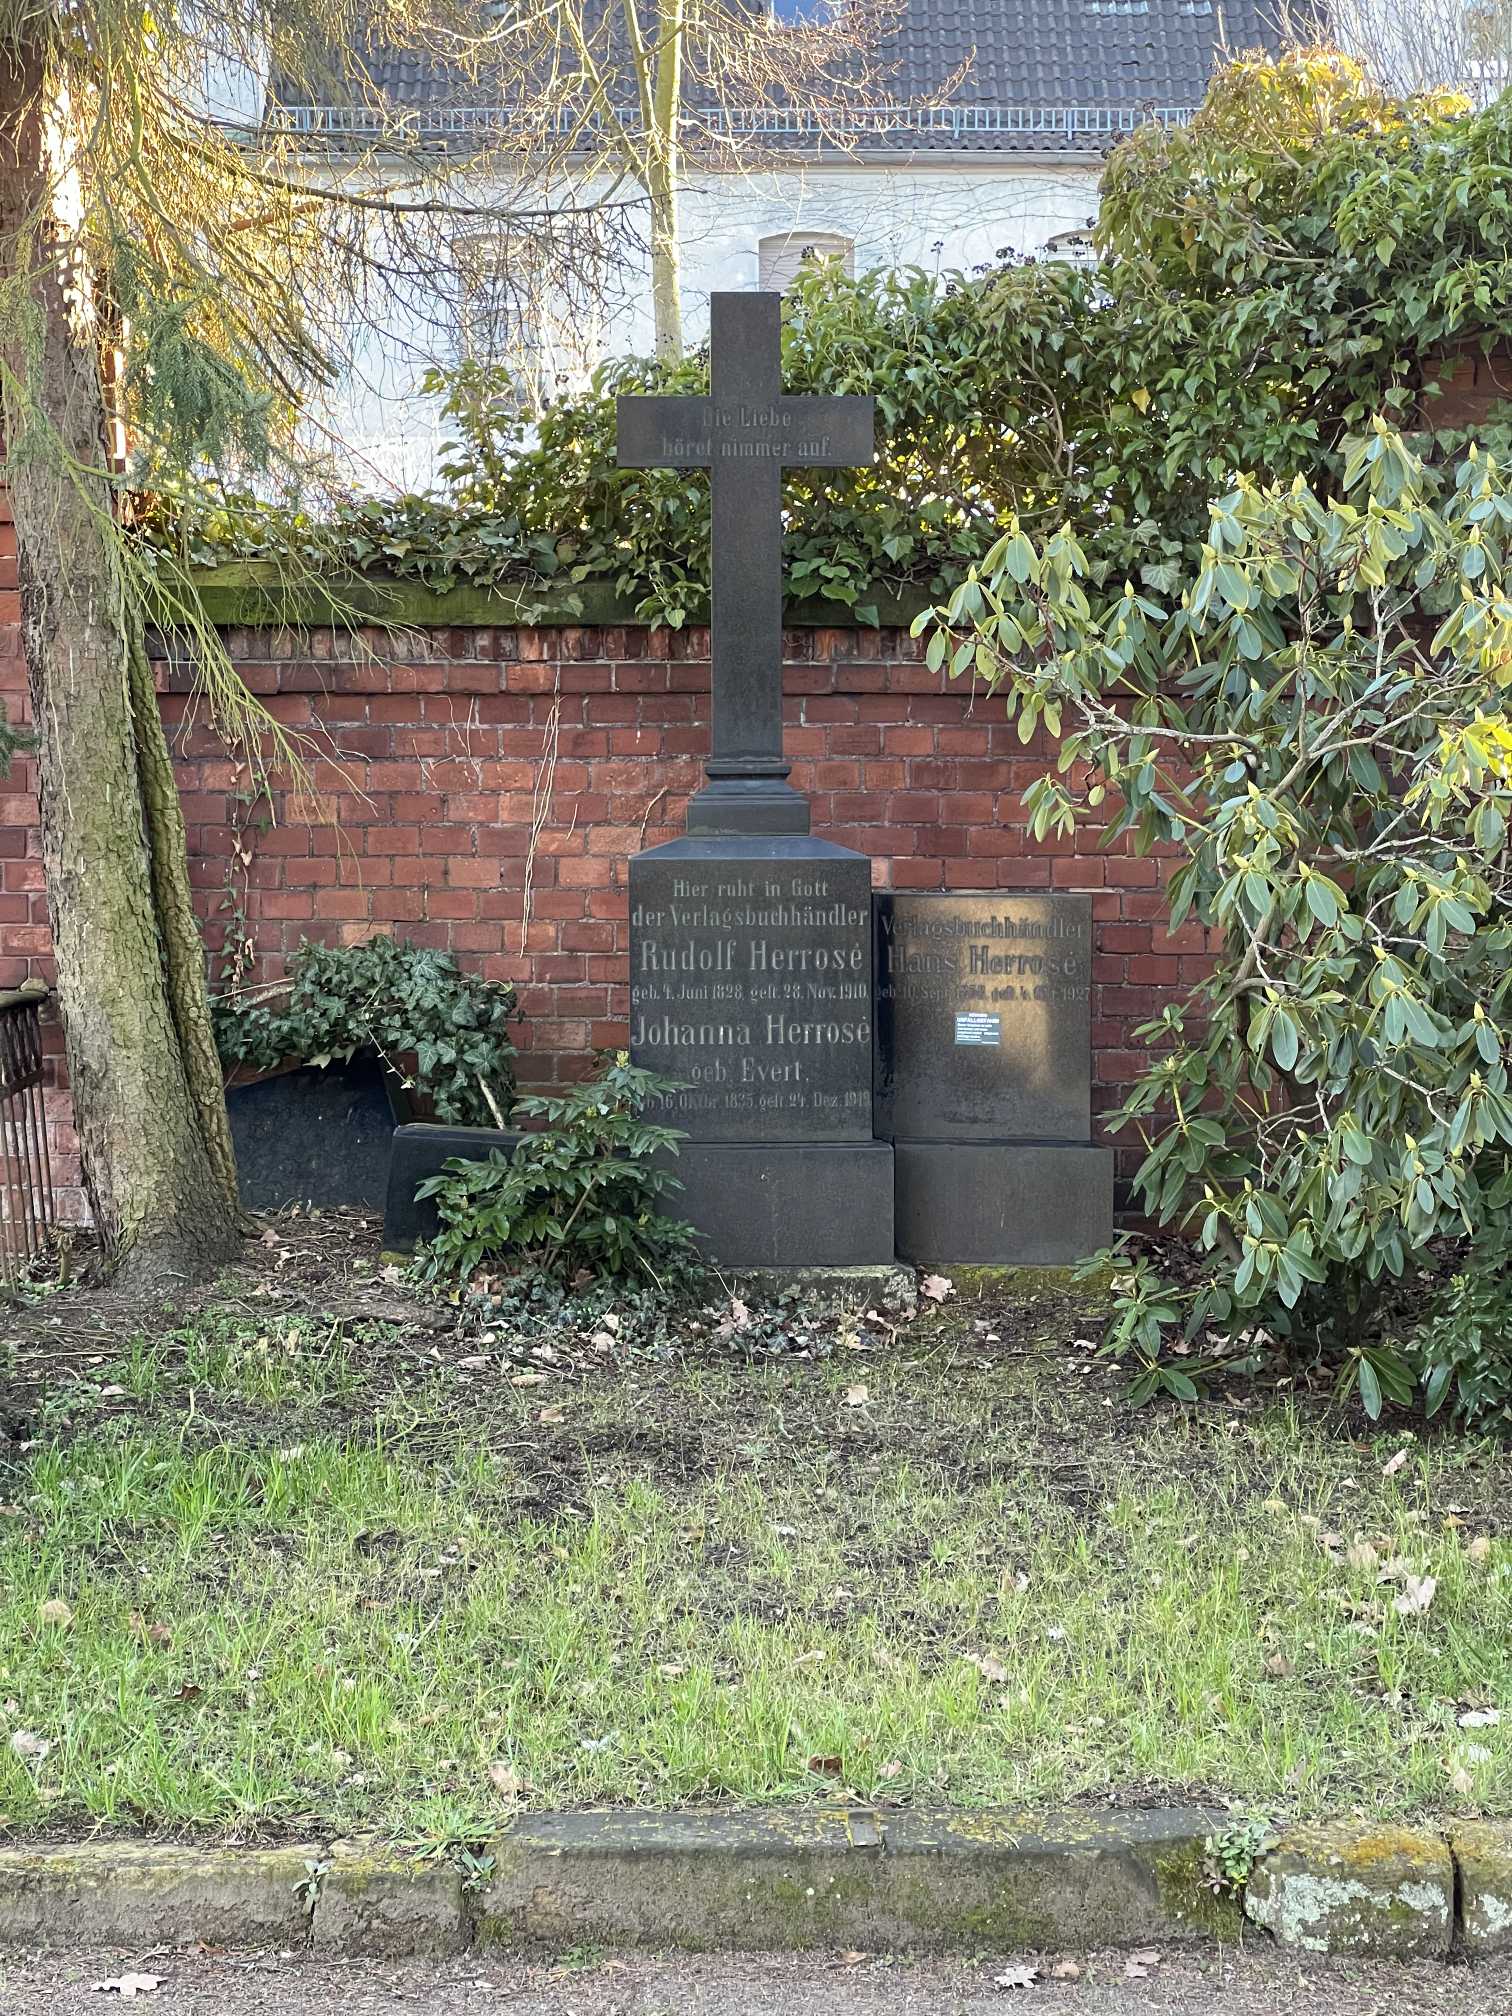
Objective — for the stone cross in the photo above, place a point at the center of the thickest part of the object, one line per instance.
(746, 432)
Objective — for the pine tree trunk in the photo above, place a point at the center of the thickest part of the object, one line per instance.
(161, 1204)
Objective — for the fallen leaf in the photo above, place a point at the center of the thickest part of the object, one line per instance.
(1479, 1550)
(128, 1986)
(1480, 1718)
(505, 1781)
(891, 1769)
(160, 1636)
(935, 1287)
(551, 1416)
(855, 1396)
(1137, 1966)
(602, 1340)
(1065, 1970)
(55, 1611)
(1023, 1976)
(529, 1379)
(825, 1767)
(1279, 1666)
(29, 1747)
(1394, 1463)
(189, 1692)
(1460, 1781)
(988, 1665)
(852, 1959)
(478, 1362)
(671, 1670)
(1417, 1596)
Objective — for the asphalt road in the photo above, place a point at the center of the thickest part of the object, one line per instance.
(1258, 1982)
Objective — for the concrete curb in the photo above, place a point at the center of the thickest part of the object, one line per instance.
(784, 1881)
(780, 1880)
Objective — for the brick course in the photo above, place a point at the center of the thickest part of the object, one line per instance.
(483, 790)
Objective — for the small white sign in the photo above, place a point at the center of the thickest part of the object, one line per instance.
(977, 1028)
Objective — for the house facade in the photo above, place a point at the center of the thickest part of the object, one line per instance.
(991, 148)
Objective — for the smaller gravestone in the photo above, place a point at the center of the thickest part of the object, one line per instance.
(984, 1078)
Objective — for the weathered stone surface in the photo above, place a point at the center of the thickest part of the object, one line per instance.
(750, 984)
(788, 1207)
(132, 1894)
(1385, 1891)
(984, 1016)
(1001, 1203)
(422, 1149)
(378, 1906)
(895, 1881)
(313, 1136)
(1483, 1851)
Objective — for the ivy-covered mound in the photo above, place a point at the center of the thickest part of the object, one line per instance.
(443, 1033)
(1293, 262)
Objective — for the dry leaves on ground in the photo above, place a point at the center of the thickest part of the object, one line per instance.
(1417, 1596)
(935, 1287)
(1023, 1976)
(128, 1986)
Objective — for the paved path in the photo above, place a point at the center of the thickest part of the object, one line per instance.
(1257, 1983)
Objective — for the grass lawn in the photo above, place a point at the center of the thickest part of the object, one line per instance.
(320, 1553)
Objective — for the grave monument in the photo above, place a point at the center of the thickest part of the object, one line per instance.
(984, 1077)
(751, 968)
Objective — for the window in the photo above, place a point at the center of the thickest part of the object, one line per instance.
(781, 257)
(518, 310)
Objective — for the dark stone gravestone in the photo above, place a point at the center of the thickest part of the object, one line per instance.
(984, 1078)
(750, 940)
(313, 1136)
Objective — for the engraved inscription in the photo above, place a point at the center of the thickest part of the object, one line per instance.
(984, 1016)
(753, 985)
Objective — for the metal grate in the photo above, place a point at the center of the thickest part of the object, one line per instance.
(25, 1168)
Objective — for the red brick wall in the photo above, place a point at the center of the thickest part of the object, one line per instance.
(432, 767)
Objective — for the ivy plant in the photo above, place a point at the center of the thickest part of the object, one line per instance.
(440, 1031)
(1307, 253)
(1333, 770)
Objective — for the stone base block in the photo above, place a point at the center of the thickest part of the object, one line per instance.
(775, 1204)
(1375, 1892)
(422, 1150)
(1001, 1203)
(1482, 1850)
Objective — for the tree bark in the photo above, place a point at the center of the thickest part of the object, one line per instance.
(160, 1183)
(661, 182)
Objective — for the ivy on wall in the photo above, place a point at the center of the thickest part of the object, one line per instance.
(1291, 263)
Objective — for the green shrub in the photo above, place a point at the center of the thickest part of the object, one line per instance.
(580, 1196)
(1307, 253)
(1334, 773)
(401, 1000)
(1462, 1350)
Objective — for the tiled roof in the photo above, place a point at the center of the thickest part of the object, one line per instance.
(1066, 75)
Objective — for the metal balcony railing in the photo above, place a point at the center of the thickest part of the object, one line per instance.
(771, 122)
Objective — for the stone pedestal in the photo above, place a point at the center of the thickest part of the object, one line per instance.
(1001, 1203)
(751, 982)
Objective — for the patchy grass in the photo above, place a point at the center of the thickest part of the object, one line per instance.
(327, 1568)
